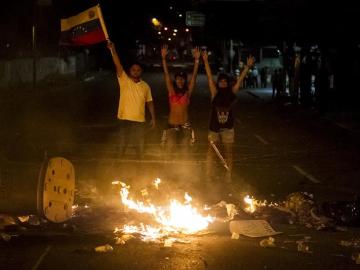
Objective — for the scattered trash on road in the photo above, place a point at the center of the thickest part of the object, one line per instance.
(350, 243)
(104, 248)
(356, 257)
(6, 237)
(303, 247)
(168, 242)
(298, 208)
(343, 212)
(6, 220)
(230, 210)
(24, 218)
(268, 242)
(34, 220)
(123, 239)
(252, 228)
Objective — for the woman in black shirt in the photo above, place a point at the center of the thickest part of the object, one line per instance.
(221, 128)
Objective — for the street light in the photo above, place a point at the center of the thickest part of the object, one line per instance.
(187, 30)
(155, 22)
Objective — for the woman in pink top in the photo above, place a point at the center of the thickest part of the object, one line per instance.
(179, 130)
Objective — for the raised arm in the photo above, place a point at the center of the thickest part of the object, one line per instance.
(115, 57)
(195, 71)
(164, 53)
(211, 82)
(249, 63)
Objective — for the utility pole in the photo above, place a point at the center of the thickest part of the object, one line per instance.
(34, 54)
(231, 54)
(33, 43)
(225, 56)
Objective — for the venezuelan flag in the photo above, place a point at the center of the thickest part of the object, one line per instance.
(85, 28)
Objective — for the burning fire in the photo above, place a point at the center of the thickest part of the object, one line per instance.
(177, 217)
(157, 183)
(253, 204)
(174, 218)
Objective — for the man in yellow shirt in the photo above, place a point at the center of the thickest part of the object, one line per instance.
(135, 95)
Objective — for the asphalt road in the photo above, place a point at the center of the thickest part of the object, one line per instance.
(279, 149)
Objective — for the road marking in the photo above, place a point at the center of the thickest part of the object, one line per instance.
(344, 126)
(38, 262)
(308, 176)
(261, 139)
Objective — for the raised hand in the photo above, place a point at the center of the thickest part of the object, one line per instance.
(250, 61)
(205, 55)
(196, 53)
(110, 45)
(164, 51)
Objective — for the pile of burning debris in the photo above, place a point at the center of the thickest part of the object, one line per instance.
(161, 213)
(152, 215)
(155, 214)
(300, 208)
(164, 215)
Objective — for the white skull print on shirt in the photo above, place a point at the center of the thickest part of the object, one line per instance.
(222, 115)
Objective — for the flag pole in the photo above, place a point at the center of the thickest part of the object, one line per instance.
(102, 22)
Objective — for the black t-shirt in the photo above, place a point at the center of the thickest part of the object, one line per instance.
(221, 110)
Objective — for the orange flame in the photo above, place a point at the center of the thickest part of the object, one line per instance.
(177, 217)
(253, 204)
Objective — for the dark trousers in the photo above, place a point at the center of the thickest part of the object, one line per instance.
(131, 134)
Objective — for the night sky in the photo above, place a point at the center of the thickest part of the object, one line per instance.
(255, 22)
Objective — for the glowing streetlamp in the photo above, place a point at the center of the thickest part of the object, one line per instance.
(155, 22)
(187, 30)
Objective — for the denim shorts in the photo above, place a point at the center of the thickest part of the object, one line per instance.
(178, 135)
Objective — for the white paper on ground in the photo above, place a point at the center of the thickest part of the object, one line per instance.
(235, 236)
(252, 228)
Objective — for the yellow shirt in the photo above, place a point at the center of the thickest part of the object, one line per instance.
(133, 96)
